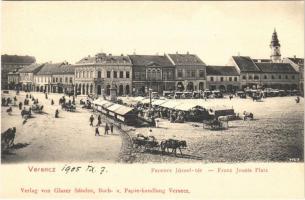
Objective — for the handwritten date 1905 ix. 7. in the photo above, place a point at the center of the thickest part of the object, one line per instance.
(67, 169)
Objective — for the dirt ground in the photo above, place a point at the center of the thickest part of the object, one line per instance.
(275, 135)
(68, 138)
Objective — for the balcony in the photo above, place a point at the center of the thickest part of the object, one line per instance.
(99, 80)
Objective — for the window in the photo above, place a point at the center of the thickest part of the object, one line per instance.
(127, 74)
(108, 74)
(292, 77)
(99, 74)
(201, 73)
(230, 78)
(60, 80)
(180, 74)
(143, 76)
(250, 77)
(53, 80)
(221, 78)
(66, 79)
(71, 80)
(115, 74)
(121, 74)
(56, 80)
(211, 78)
(256, 77)
(193, 73)
(265, 77)
(188, 73)
(137, 75)
(235, 78)
(280, 77)
(158, 75)
(244, 77)
(272, 77)
(286, 77)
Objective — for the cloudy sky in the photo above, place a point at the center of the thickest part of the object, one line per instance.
(58, 31)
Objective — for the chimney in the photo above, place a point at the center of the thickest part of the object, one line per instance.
(122, 54)
(176, 52)
(134, 52)
(295, 56)
(187, 52)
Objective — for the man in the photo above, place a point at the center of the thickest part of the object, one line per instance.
(99, 121)
(97, 132)
(20, 105)
(91, 120)
(52, 102)
(106, 129)
(56, 113)
(111, 128)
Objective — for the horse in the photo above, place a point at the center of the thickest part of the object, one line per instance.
(8, 136)
(173, 144)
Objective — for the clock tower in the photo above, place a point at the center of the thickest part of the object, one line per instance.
(275, 48)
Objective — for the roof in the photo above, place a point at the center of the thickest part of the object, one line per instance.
(103, 58)
(49, 68)
(65, 69)
(245, 64)
(186, 59)
(221, 70)
(123, 110)
(33, 68)
(17, 59)
(298, 61)
(276, 67)
(150, 60)
(261, 60)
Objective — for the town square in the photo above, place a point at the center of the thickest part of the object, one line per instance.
(194, 102)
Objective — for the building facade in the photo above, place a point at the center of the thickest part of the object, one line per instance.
(190, 72)
(13, 80)
(152, 72)
(100, 73)
(12, 63)
(27, 74)
(43, 78)
(223, 78)
(298, 65)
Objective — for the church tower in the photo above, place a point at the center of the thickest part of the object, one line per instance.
(275, 48)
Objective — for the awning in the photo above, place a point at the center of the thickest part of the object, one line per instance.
(123, 110)
(170, 104)
(145, 101)
(158, 102)
(114, 107)
(186, 106)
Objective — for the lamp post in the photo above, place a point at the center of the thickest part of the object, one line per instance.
(150, 90)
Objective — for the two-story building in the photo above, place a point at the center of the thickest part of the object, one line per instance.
(12, 63)
(223, 78)
(298, 65)
(13, 79)
(63, 78)
(100, 73)
(27, 74)
(152, 72)
(43, 78)
(190, 71)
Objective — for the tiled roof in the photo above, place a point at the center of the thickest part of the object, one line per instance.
(298, 61)
(33, 68)
(221, 70)
(56, 68)
(261, 60)
(150, 60)
(186, 59)
(276, 67)
(105, 59)
(245, 64)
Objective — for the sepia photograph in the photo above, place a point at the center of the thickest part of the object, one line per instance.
(101, 82)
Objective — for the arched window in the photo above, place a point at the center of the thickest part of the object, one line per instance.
(99, 74)
(158, 75)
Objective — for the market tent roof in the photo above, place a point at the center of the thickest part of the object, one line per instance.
(138, 98)
(100, 102)
(186, 106)
(144, 101)
(159, 102)
(123, 110)
(114, 107)
(170, 104)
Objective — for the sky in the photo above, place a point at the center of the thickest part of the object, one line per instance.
(215, 31)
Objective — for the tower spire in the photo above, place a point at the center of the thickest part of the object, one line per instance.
(275, 48)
